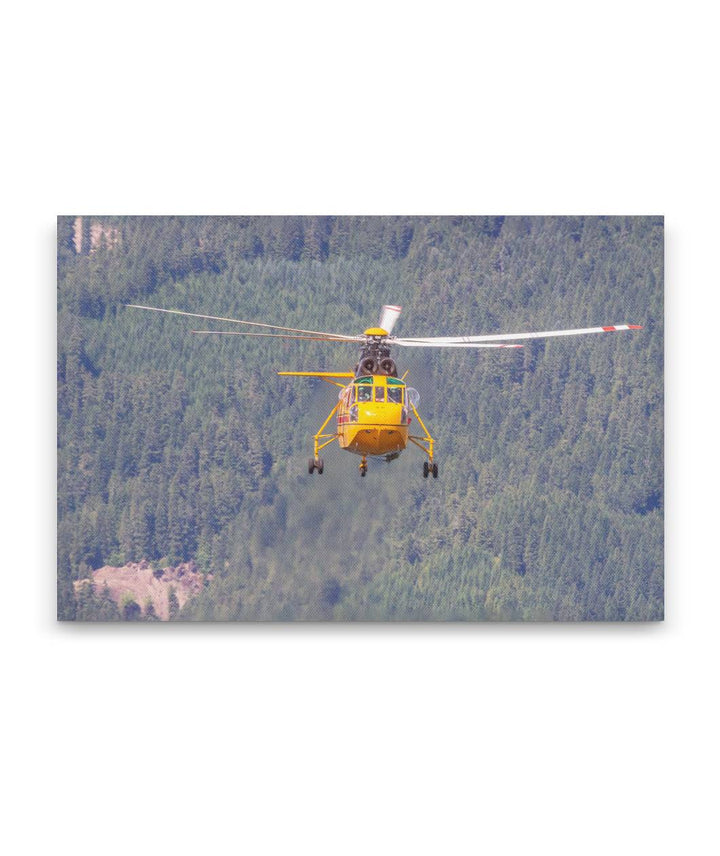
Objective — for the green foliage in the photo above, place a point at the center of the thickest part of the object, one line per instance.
(173, 604)
(149, 613)
(129, 608)
(94, 606)
(549, 503)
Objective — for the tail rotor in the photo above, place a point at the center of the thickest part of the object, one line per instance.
(388, 317)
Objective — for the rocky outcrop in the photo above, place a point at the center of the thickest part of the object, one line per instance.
(145, 583)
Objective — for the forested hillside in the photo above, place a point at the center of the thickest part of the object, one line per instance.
(174, 447)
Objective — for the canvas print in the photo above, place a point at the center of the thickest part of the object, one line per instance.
(338, 418)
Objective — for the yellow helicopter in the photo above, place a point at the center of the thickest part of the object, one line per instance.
(375, 410)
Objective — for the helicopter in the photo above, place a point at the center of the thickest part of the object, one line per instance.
(375, 409)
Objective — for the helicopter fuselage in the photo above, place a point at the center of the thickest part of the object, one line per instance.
(373, 416)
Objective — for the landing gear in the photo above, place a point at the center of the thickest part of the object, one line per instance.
(316, 464)
(430, 468)
(425, 443)
(363, 466)
(321, 440)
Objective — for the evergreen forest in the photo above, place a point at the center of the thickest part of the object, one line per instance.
(175, 447)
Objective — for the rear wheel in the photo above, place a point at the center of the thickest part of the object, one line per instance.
(320, 466)
(311, 465)
(434, 470)
(426, 469)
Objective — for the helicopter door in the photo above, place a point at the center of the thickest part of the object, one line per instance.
(345, 396)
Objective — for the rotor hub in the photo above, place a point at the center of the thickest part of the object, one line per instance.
(374, 356)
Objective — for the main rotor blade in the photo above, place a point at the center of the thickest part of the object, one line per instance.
(445, 343)
(499, 337)
(388, 317)
(249, 323)
(277, 335)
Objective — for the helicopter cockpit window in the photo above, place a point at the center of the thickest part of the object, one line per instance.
(379, 393)
(364, 393)
(394, 394)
